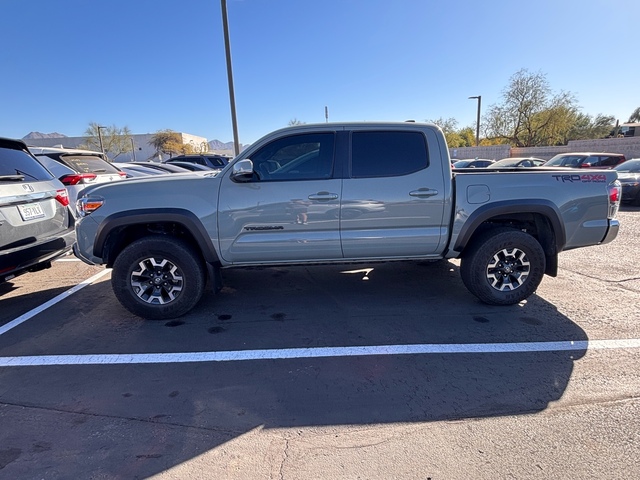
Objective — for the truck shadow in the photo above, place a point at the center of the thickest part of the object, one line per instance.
(147, 418)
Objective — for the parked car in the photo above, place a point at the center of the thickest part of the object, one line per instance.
(586, 160)
(629, 177)
(194, 167)
(77, 169)
(208, 159)
(134, 170)
(162, 167)
(518, 162)
(473, 163)
(36, 225)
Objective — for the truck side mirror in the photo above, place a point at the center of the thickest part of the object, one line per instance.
(242, 171)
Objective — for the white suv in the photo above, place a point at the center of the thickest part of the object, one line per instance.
(77, 169)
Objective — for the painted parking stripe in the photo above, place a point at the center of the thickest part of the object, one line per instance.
(318, 352)
(31, 313)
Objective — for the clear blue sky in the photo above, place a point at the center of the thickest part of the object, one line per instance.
(157, 64)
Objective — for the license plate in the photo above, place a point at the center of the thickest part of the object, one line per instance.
(30, 211)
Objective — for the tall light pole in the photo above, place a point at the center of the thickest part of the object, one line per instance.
(227, 46)
(479, 97)
(100, 138)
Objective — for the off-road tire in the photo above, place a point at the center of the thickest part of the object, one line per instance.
(158, 277)
(503, 266)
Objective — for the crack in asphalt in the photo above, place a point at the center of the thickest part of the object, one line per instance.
(285, 457)
(154, 420)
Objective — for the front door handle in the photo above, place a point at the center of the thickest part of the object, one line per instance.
(323, 196)
(423, 192)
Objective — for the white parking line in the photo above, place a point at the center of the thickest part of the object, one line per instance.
(318, 352)
(23, 318)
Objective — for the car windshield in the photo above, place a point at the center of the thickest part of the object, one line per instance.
(510, 162)
(217, 162)
(17, 165)
(565, 161)
(462, 164)
(631, 166)
(89, 164)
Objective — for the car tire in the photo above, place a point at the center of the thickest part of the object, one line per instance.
(503, 266)
(158, 277)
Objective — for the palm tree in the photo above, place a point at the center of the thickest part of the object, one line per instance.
(635, 116)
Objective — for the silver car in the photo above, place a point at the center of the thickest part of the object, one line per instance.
(36, 225)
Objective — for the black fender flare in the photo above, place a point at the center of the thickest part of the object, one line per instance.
(538, 206)
(180, 216)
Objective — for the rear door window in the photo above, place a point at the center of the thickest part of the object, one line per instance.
(385, 154)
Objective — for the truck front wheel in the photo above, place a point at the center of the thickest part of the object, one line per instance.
(158, 277)
(503, 266)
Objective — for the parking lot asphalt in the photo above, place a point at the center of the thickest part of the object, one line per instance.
(327, 372)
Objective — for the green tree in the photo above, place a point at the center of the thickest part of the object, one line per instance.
(587, 128)
(468, 135)
(635, 116)
(455, 138)
(530, 114)
(115, 140)
(169, 143)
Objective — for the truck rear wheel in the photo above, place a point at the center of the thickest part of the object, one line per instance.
(503, 266)
(158, 277)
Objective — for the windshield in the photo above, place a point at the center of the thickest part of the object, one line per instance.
(18, 165)
(565, 161)
(89, 164)
(462, 163)
(505, 163)
(631, 166)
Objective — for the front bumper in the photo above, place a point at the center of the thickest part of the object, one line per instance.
(77, 253)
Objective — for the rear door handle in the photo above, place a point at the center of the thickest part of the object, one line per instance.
(323, 196)
(423, 193)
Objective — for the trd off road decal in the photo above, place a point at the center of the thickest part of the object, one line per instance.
(585, 178)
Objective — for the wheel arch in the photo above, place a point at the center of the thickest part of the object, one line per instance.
(540, 218)
(122, 228)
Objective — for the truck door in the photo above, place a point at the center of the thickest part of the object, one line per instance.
(290, 210)
(393, 196)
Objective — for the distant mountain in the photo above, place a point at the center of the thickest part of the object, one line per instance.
(218, 145)
(43, 135)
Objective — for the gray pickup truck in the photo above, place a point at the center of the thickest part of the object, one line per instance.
(340, 193)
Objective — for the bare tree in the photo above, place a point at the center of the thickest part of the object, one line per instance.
(115, 140)
(530, 114)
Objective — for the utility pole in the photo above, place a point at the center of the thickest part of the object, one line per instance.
(100, 138)
(479, 97)
(326, 114)
(234, 122)
(133, 150)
